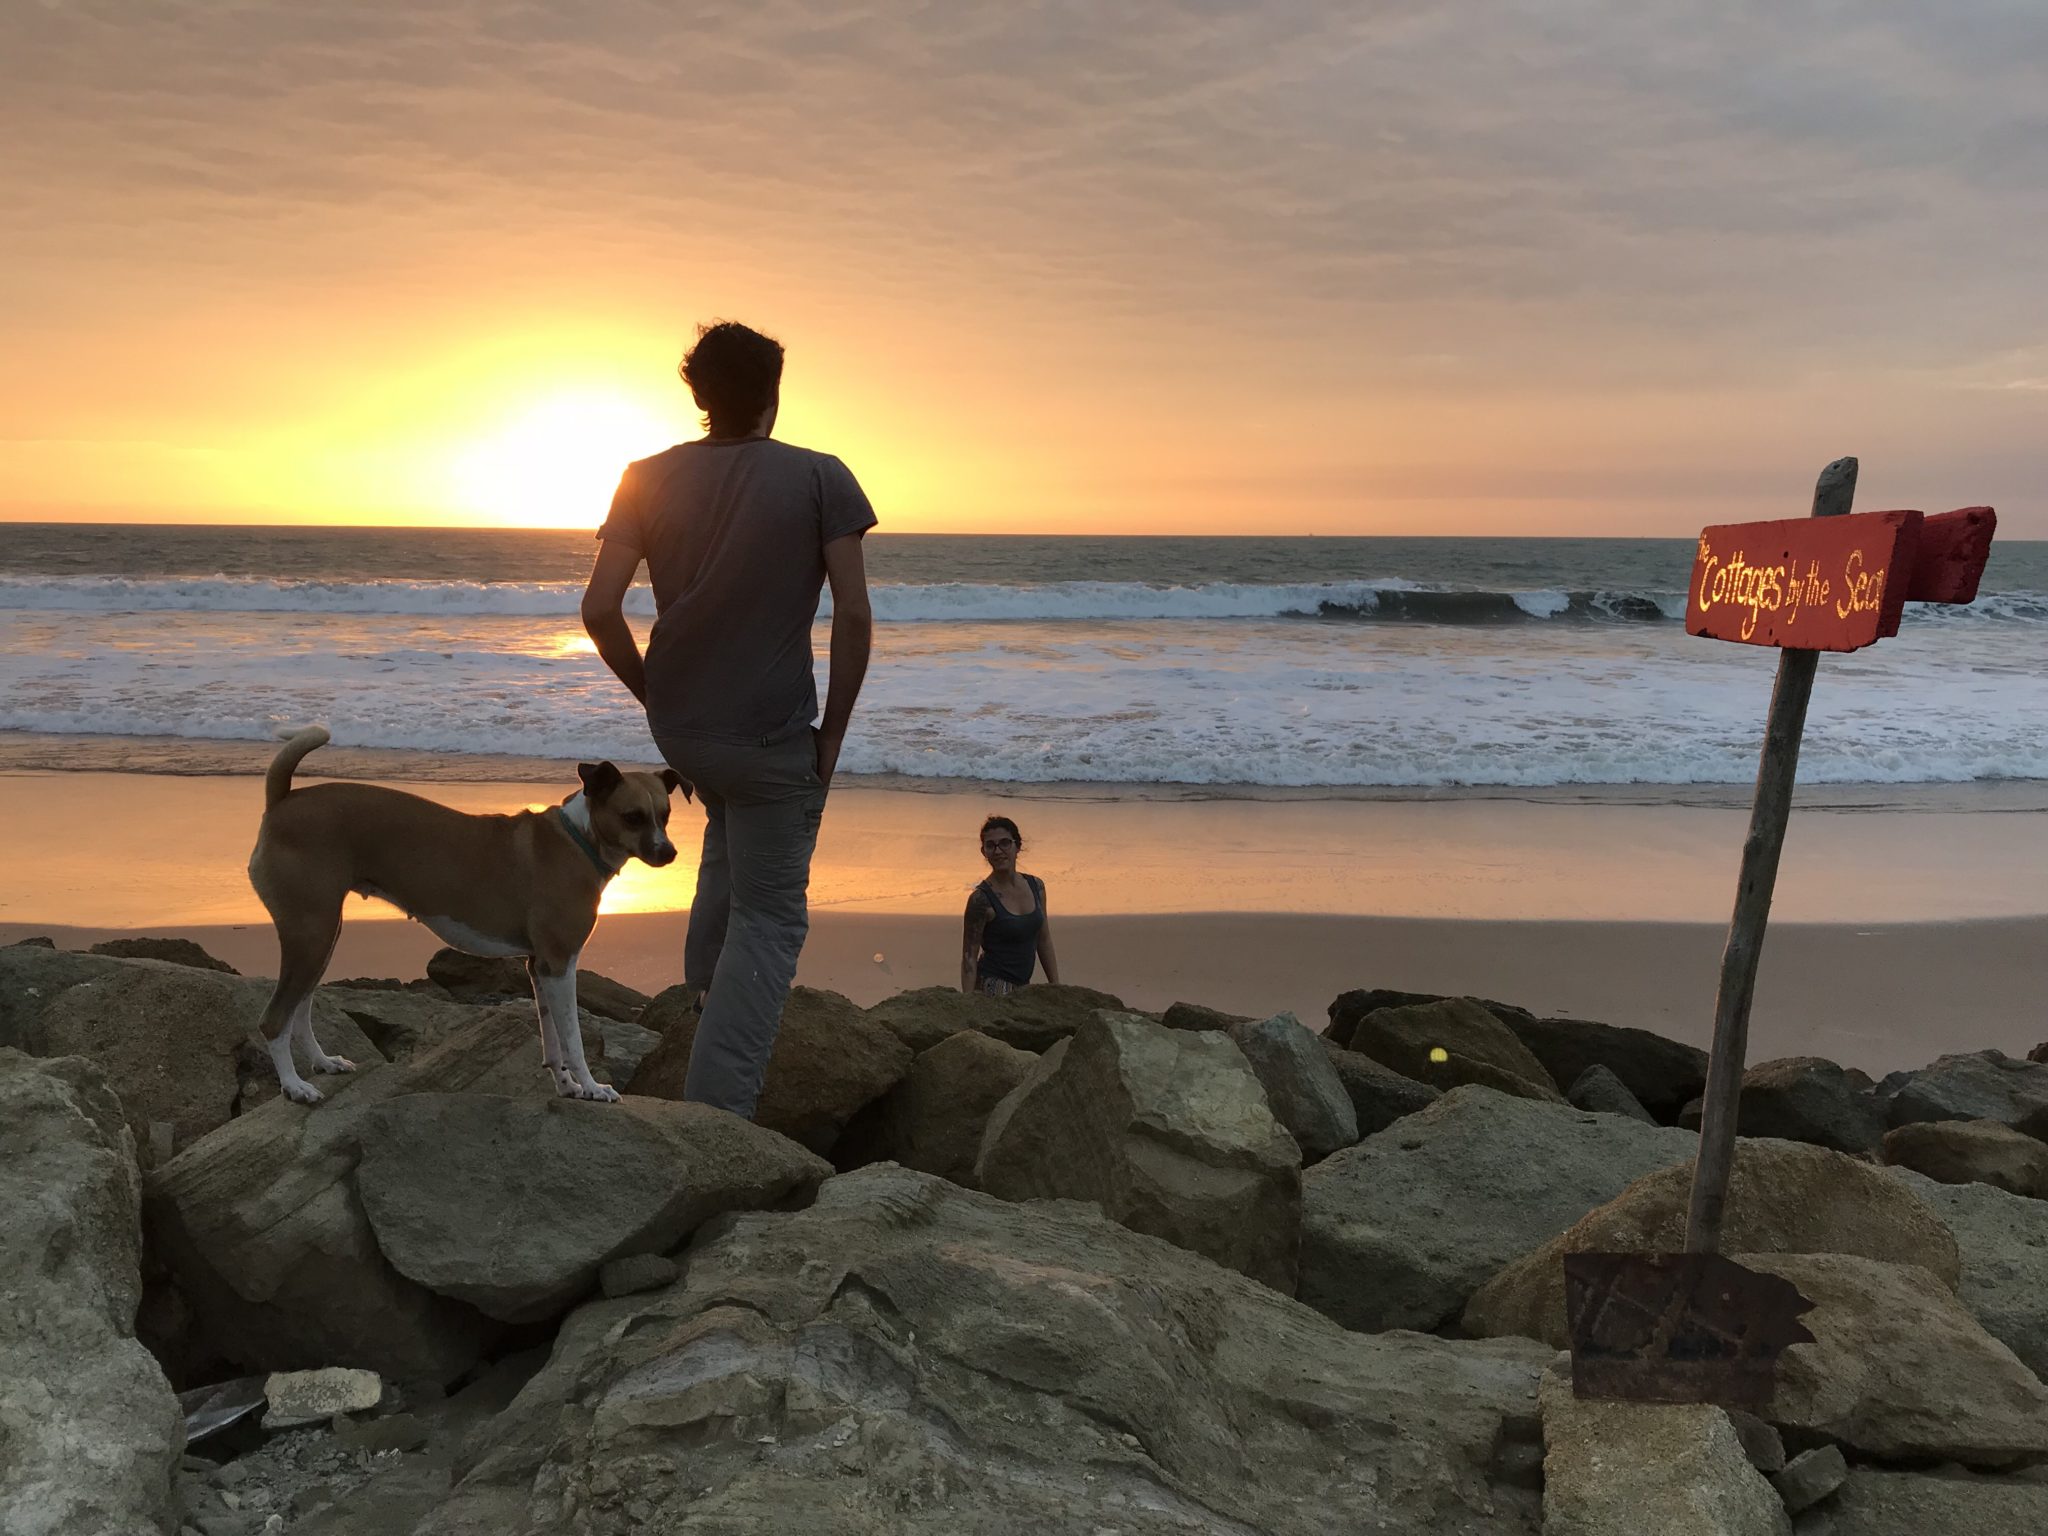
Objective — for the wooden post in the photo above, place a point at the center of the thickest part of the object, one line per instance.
(1832, 495)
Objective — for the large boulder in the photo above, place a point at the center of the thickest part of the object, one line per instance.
(1783, 1197)
(172, 951)
(1977, 1085)
(911, 1357)
(2002, 1240)
(1379, 1095)
(608, 999)
(1599, 1091)
(399, 1023)
(1971, 1152)
(1876, 1503)
(1306, 1095)
(479, 978)
(33, 975)
(179, 1045)
(262, 1231)
(1348, 1009)
(1196, 1016)
(1036, 1018)
(1166, 1130)
(89, 1430)
(928, 1015)
(1808, 1098)
(1663, 1074)
(829, 1062)
(513, 1205)
(1455, 1041)
(1630, 1469)
(933, 1120)
(1399, 1230)
(1898, 1370)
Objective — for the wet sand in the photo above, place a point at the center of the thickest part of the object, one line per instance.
(1900, 932)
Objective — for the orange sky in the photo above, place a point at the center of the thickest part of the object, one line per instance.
(1297, 268)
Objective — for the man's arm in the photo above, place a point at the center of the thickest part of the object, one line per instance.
(853, 632)
(604, 616)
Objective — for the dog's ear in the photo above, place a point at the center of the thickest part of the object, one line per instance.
(673, 781)
(599, 779)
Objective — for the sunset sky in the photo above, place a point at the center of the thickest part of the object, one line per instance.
(1303, 266)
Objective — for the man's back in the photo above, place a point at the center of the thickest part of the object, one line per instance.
(733, 531)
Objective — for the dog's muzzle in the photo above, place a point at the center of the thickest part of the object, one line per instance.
(665, 854)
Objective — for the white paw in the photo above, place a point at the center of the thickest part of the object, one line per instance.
(299, 1091)
(597, 1092)
(333, 1064)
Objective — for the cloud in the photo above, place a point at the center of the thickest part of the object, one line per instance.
(1350, 197)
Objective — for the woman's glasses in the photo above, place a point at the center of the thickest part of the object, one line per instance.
(997, 844)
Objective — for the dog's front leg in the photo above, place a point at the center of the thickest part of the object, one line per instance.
(551, 1054)
(554, 986)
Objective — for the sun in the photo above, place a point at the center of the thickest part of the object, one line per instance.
(556, 463)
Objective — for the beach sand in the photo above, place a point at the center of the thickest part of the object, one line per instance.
(1902, 930)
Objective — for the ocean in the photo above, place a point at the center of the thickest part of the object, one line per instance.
(1327, 663)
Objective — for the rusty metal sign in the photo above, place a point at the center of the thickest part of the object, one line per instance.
(1678, 1327)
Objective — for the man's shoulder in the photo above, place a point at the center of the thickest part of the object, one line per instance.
(796, 453)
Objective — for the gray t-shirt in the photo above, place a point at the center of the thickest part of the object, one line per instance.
(734, 533)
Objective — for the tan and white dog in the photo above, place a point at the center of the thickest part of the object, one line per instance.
(526, 884)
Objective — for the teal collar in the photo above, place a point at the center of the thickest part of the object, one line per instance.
(589, 848)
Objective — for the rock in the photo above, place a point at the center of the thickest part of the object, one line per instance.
(1195, 1016)
(260, 1226)
(1810, 1477)
(35, 941)
(1979, 1085)
(1451, 1042)
(172, 951)
(2003, 1243)
(911, 1357)
(1899, 1370)
(1379, 1095)
(1661, 1073)
(398, 1432)
(512, 1205)
(401, 1024)
(90, 1434)
(609, 999)
(1807, 1098)
(666, 1006)
(1167, 1131)
(1762, 1444)
(1351, 1007)
(179, 1045)
(1600, 1092)
(829, 1062)
(1399, 1230)
(1873, 1503)
(626, 1045)
(313, 1397)
(1302, 1087)
(933, 1120)
(1627, 1469)
(1971, 1152)
(923, 1018)
(635, 1273)
(2038, 1053)
(32, 976)
(479, 978)
(1783, 1197)
(1036, 1018)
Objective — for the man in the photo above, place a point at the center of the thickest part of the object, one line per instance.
(739, 533)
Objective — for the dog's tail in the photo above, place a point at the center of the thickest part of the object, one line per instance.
(277, 783)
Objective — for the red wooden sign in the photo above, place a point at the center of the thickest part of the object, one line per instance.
(1832, 583)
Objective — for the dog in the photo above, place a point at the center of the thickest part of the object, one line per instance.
(526, 884)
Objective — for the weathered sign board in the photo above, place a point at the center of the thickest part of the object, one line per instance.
(1830, 582)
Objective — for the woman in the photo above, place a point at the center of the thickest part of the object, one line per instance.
(1007, 928)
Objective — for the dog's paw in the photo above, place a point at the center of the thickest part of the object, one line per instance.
(597, 1093)
(301, 1092)
(333, 1064)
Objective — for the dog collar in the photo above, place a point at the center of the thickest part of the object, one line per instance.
(589, 848)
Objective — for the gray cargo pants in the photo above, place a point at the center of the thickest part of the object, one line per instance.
(762, 803)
